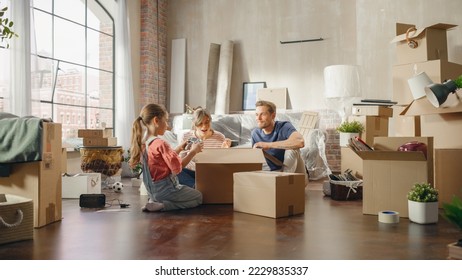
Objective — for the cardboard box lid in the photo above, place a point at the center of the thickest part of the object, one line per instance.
(424, 107)
(419, 32)
(230, 155)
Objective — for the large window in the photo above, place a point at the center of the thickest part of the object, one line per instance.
(73, 64)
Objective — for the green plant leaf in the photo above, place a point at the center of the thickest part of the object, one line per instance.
(452, 212)
(423, 192)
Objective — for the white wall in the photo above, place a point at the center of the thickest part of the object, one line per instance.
(354, 32)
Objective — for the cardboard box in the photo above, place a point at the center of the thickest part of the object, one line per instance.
(350, 160)
(269, 194)
(215, 169)
(431, 40)
(378, 111)
(95, 133)
(276, 95)
(19, 228)
(85, 183)
(447, 169)
(403, 126)
(40, 181)
(437, 71)
(100, 142)
(374, 126)
(389, 174)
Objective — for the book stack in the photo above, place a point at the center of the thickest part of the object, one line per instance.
(102, 137)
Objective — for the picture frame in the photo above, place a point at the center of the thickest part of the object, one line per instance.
(249, 94)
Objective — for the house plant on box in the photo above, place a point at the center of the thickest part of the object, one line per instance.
(423, 204)
(349, 130)
(452, 212)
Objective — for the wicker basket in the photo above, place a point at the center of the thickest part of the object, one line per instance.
(104, 160)
(16, 219)
(346, 190)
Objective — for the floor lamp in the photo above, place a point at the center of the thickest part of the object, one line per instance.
(342, 86)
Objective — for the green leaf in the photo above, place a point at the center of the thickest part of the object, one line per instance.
(11, 24)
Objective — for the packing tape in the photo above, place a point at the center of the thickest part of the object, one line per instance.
(389, 217)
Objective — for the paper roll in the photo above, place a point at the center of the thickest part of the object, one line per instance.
(389, 217)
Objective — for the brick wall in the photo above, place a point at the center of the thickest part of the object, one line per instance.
(329, 120)
(153, 52)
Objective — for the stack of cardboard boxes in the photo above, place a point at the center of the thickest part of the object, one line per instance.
(375, 120)
(419, 117)
(97, 137)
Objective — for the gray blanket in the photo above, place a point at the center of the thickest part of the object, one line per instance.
(20, 139)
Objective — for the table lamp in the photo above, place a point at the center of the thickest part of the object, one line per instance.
(418, 83)
(438, 93)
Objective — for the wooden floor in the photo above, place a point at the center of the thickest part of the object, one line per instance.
(329, 230)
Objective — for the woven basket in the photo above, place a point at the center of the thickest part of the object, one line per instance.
(107, 161)
(16, 219)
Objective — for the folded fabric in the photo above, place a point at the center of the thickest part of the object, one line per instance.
(20, 139)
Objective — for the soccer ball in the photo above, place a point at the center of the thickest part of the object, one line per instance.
(117, 187)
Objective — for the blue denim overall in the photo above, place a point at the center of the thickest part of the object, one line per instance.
(168, 190)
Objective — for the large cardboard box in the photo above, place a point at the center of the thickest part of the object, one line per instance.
(40, 181)
(350, 160)
(85, 183)
(448, 164)
(389, 174)
(403, 126)
(269, 194)
(15, 226)
(437, 71)
(215, 169)
(444, 124)
(431, 40)
(374, 126)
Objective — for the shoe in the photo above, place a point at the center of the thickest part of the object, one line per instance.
(152, 207)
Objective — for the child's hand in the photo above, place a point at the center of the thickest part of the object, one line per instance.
(197, 147)
(226, 143)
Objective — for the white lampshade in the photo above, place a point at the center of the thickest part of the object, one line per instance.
(342, 81)
(418, 83)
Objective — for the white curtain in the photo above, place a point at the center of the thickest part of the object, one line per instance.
(124, 99)
(20, 63)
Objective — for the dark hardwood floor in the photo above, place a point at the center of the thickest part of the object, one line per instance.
(329, 230)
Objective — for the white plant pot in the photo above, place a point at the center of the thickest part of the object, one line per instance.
(345, 136)
(136, 182)
(423, 212)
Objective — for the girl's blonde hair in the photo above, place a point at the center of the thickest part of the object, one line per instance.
(199, 115)
(147, 114)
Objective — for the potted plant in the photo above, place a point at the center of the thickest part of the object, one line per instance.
(6, 31)
(452, 212)
(349, 129)
(423, 204)
(136, 171)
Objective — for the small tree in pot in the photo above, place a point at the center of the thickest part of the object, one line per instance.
(452, 212)
(423, 204)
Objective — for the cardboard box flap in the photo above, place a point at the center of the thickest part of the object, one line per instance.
(391, 155)
(241, 155)
(424, 107)
(419, 31)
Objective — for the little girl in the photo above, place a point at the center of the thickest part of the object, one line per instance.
(201, 131)
(161, 163)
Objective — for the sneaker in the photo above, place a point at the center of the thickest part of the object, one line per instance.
(152, 207)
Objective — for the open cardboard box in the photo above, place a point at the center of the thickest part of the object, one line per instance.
(388, 175)
(215, 169)
(431, 40)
